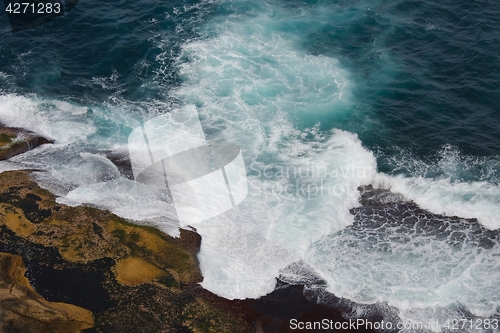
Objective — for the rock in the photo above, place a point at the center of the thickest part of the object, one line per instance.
(15, 141)
(122, 161)
(272, 313)
(133, 278)
(371, 196)
(24, 310)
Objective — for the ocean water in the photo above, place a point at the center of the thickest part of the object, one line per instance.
(322, 97)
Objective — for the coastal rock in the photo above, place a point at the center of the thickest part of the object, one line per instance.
(24, 310)
(379, 197)
(132, 278)
(15, 141)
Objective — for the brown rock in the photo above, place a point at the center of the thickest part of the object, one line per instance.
(15, 141)
(24, 310)
(131, 277)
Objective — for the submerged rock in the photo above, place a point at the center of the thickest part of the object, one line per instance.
(15, 141)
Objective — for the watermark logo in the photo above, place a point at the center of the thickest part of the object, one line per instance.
(26, 14)
(204, 180)
(307, 180)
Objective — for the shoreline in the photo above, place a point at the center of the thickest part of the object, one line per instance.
(15, 141)
(93, 259)
(72, 255)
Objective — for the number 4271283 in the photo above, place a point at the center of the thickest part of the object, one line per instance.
(33, 8)
(478, 324)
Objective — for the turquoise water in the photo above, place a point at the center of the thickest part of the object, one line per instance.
(401, 95)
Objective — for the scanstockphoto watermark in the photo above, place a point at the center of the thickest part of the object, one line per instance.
(360, 324)
(310, 171)
(299, 188)
(449, 324)
(170, 153)
(205, 179)
(307, 181)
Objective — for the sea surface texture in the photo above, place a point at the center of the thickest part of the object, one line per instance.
(322, 97)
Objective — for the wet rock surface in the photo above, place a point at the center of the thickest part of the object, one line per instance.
(136, 279)
(24, 310)
(15, 141)
(384, 213)
(73, 255)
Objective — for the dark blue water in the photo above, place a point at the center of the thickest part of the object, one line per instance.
(62, 58)
(429, 73)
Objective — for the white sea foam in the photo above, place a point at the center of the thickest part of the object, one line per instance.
(243, 251)
(253, 86)
(127, 199)
(410, 270)
(54, 119)
(479, 200)
(4, 76)
(454, 185)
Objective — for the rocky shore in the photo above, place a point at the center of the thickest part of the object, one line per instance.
(24, 310)
(73, 269)
(101, 273)
(130, 277)
(15, 141)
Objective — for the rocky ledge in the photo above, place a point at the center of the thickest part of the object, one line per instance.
(131, 278)
(24, 310)
(75, 269)
(15, 141)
